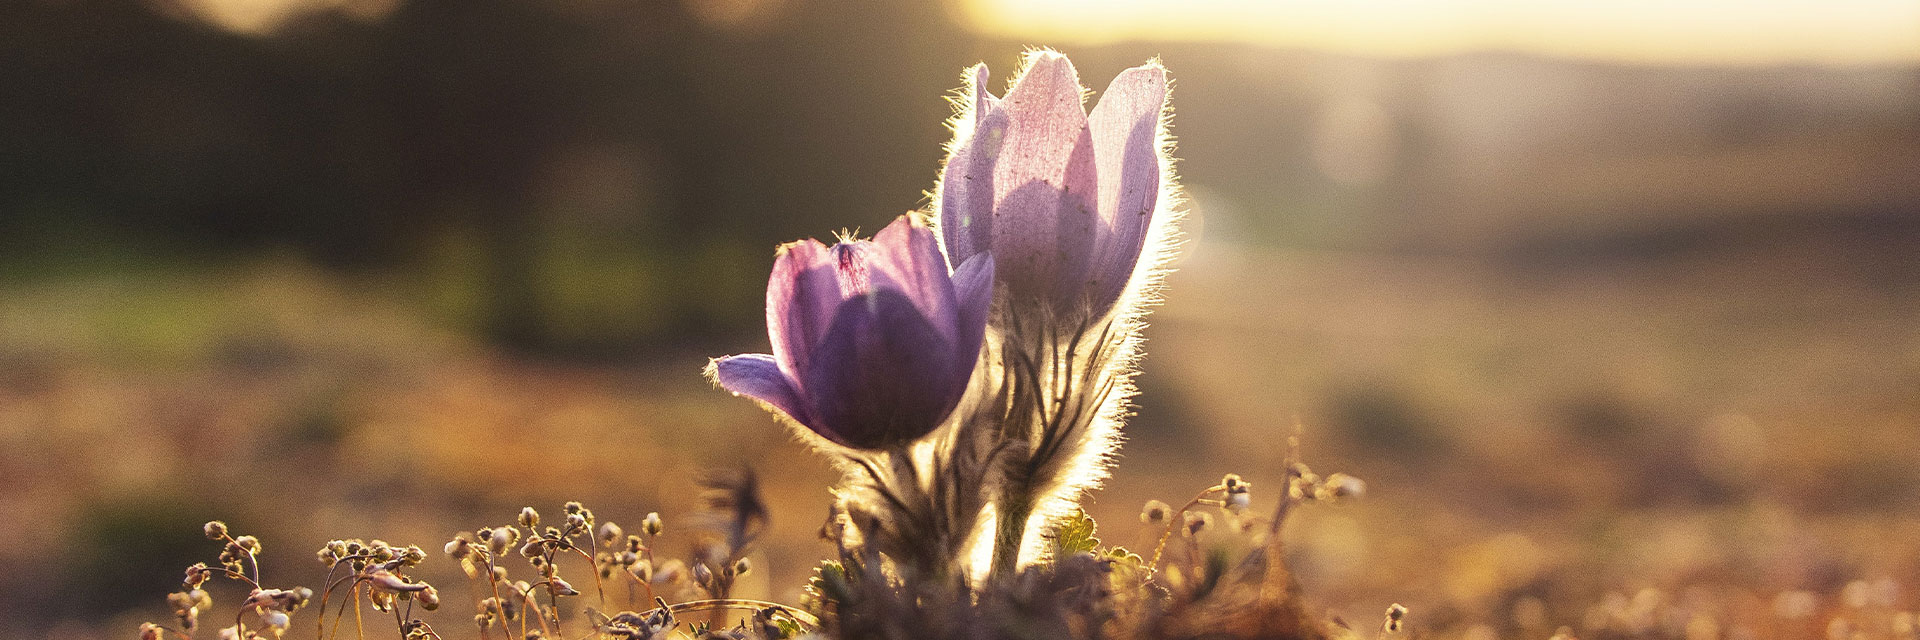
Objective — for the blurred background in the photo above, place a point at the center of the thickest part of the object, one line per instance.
(1615, 306)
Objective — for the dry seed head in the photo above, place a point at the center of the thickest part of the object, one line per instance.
(1340, 486)
(670, 571)
(180, 602)
(1238, 502)
(1396, 616)
(196, 575)
(1196, 522)
(248, 543)
(413, 556)
(501, 539)
(651, 525)
(610, 533)
(215, 529)
(459, 548)
(1155, 513)
(529, 518)
(742, 566)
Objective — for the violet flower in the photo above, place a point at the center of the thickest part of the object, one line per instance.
(1064, 200)
(873, 340)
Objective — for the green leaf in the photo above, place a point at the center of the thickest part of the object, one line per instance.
(1074, 534)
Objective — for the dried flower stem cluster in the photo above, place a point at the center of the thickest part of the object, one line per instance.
(373, 573)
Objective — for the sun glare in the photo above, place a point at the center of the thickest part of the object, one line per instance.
(1657, 31)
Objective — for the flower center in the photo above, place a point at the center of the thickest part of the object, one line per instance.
(851, 266)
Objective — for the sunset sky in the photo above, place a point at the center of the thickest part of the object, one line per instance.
(1653, 31)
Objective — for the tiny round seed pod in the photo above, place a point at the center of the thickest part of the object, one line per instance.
(1396, 616)
(1155, 513)
(1197, 522)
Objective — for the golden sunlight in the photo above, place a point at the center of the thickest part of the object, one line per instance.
(1653, 31)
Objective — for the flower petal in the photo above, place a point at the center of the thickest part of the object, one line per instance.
(905, 256)
(966, 185)
(1044, 177)
(883, 376)
(758, 376)
(1125, 127)
(973, 297)
(802, 294)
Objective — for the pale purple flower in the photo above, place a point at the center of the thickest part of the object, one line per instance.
(873, 340)
(1062, 199)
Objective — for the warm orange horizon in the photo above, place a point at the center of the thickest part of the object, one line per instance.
(1640, 31)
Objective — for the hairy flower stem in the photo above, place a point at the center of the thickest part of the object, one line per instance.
(1057, 385)
(1010, 532)
(920, 524)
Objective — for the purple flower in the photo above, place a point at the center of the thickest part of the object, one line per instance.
(873, 340)
(1063, 200)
